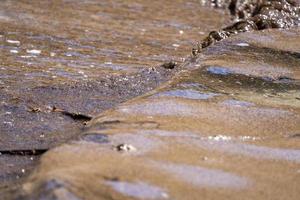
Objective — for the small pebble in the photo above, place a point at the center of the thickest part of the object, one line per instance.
(125, 147)
(169, 65)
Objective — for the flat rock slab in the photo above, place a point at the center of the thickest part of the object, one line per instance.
(83, 57)
(226, 129)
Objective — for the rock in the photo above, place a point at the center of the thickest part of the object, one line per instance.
(125, 148)
(246, 123)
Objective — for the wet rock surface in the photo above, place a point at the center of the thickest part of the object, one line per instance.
(253, 15)
(227, 110)
(62, 62)
(203, 134)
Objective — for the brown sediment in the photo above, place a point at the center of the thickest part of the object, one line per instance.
(202, 134)
(253, 15)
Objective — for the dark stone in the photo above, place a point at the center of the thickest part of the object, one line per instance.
(169, 65)
(254, 15)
